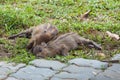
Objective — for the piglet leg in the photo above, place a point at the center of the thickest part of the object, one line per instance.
(26, 33)
(89, 42)
(64, 50)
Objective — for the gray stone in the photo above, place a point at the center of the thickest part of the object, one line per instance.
(12, 66)
(8, 68)
(6, 64)
(4, 72)
(116, 57)
(11, 78)
(112, 73)
(16, 67)
(89, 63)
(103, 77)
(55, 78)
(56, 65)
(2, 76)
(33, 73)
(115, 68)
(76, 76)
(81, 70)
(3, 63)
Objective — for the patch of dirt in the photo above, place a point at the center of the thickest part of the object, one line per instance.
(109, 46)
(94, 32)
(3, 52)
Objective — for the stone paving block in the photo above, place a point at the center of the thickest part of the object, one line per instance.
(33, 73)
(12, 66)
(56, 65)
(113, 72)
(81, 70)
(11, 78)
(90, 63)
(115, 68)
(6, 64)
(4, 72)
(76, 76)
(55, 78)
(2, 76)
(3, 63)
(116, 57)
(16, 67)
(103, 77)
(8, 68)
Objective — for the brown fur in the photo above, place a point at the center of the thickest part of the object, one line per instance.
(62, 45)
(38, 34)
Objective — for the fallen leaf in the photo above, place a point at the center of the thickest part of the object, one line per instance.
(85, 15)
(101, 55)
(112, 35)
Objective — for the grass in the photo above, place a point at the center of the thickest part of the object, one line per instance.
(18, 15)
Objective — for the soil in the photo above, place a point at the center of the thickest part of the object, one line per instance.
(3, 52)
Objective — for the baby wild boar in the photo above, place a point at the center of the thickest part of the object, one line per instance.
(62, 45)
(38, 34)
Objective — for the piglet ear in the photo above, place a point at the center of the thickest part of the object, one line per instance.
(43, 44)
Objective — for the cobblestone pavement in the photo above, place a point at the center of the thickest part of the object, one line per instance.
(75, 69)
